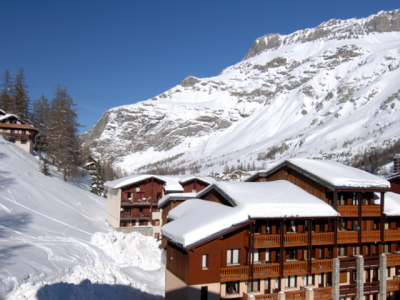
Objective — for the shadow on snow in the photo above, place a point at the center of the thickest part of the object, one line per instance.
(88, 290)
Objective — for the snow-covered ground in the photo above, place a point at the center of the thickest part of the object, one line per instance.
(55, 243)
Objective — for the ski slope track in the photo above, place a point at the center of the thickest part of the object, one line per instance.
(318, 92)
(55, 243)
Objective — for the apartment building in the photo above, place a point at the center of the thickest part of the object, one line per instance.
(328, 233)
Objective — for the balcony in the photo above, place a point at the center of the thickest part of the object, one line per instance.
(323, 294)
(371, 211)
(235, 273)
(347, 237)
(141, 202)
(295, 268)
(392, 235)
(128, 216)
(297, 295)
(323, 238)
(296, 239)
(266, 271)
(14, 134)
(393, 285)
(370, 236)
(393, 260)
(321, 266)
(268, 240)
(348, 210)
(261, 297)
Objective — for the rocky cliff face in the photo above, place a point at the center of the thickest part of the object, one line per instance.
(333, 29)
(308, 93)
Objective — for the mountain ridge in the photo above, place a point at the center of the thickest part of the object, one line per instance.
(289, 97)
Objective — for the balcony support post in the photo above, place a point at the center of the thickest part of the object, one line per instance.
(336, 279)
(382, 276)
(281, 250)
(335, 200)
(309, 248)
(359, 195)
(382, 225)
(251, 249)
(360, 277)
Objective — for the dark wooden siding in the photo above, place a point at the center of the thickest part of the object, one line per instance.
(395, 185)
(302, 181)
(194, 184)
(178, 262)
(215, 196)
(147, 187)
(217, 252)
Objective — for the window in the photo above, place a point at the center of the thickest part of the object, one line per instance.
(308, 280)
(232, 287)
(255, 287)
(232, 256)
(342, 200)
(23, 141)
(266, 254)
(320, 280)
(267, 286)
(355, 199)
(256, 256)
(204, 293)
(204, 262)
(157, 236)
(343, 277)
(290, 281)
(388, 272)
(342, 250)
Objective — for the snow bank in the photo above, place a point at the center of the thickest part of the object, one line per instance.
(55, 243)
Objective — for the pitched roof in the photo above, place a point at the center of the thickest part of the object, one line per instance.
(196, 220)
(170, 184)
(333, 174)
(175, 196)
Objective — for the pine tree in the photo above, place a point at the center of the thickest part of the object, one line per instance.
(45, 169)
(6, 99)
(97, 185)
(20, 96)
(63, 146)
(40, 119)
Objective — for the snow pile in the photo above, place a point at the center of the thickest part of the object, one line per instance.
(196, 219)
(132, 249)
(46, 230)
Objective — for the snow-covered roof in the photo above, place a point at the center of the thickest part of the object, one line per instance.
(176, 196)
(170, 184)
(335, 175)
(197, 220)
(209, 180)
(393, 176)
(392, 203)
(6, 116)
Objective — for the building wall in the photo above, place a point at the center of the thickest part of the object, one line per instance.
(175, 288)
(157, 228)
(113, 207)
(302, 181)
(148, 188)
(194, 185)
(178, 262)
(26, 147)
(214, 196)
(395, 185)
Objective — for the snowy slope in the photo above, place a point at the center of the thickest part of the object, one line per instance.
(54, 233)
(327, 91)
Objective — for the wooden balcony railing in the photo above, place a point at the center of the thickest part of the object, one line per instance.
(348, 210)
(297, 295)
(235, 273)
(266, 271)
(263, 297)
(322, 238)
(296, 239)
(393, 260)
(295, 268)
(392, 235)
(393, 285)
(370, 236)
(371, 211)
(323, 294)
(268, 240)
(347, 237)
(135, 215)
(321, 266)
(14, 134)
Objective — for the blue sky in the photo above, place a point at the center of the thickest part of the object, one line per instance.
(112, 53)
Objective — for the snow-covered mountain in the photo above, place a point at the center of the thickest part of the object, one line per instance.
(55, 243)
(331, 89)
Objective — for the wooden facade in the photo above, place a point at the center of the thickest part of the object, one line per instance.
(286, 250)
(194, 185)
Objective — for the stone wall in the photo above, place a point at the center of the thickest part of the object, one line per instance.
(145, 230)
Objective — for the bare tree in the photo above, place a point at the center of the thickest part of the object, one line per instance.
(6, 100)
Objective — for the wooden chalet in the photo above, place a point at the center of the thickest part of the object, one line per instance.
(90, 165)
(17, 131)
(394, 183)
(353, 255)
(133, 201)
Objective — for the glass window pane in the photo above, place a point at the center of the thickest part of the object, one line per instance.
(228, 256)
(235, 256)
(256, 256)
(267, 254)
(292, 281)
(204, 262)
